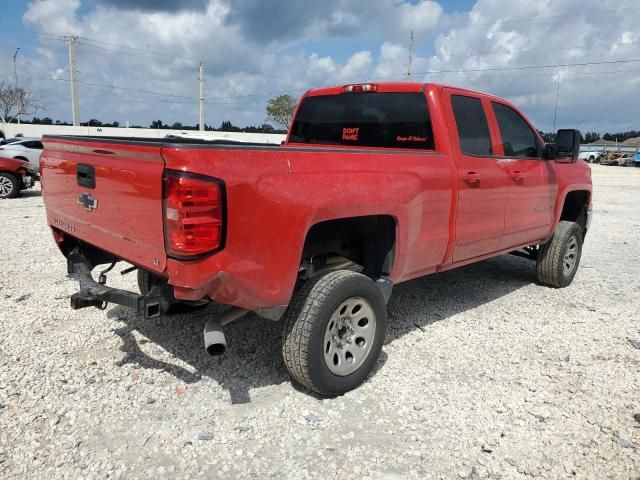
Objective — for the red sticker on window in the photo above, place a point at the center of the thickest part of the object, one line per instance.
(350, 134)
(410, 138)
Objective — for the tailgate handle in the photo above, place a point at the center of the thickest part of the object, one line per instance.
(86, 175)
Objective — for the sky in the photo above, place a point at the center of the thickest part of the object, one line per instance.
(138, 60)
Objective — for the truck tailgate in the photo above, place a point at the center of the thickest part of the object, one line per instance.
(107, 193)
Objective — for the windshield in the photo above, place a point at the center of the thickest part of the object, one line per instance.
(394, 120)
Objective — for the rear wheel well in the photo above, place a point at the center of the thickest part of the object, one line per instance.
(368, 241)
(20, 158)
(575, 208)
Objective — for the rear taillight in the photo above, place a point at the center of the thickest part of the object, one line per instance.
(193, 214)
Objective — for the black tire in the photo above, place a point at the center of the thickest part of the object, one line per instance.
(146, 281)
(305, 325)
(9, 185)
(555, 255)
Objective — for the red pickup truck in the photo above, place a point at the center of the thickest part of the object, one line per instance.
(376, 184)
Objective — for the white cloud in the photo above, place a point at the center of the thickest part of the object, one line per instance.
(57, 16)
(253, 47)
(421, 17)
(494, 35)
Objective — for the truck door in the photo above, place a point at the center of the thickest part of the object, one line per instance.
(532, 185)
(482, 181)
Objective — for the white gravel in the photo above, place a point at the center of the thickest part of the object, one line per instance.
(484, 374)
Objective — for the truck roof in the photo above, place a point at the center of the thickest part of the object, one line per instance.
(390, 87)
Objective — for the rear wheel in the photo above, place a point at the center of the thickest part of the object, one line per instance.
(333, 332)
(9, 185)
(558, 259)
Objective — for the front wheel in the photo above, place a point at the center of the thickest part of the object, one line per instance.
(9, 185)
(333, 332)
(558, 259)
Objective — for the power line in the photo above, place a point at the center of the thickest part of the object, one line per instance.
(540, 19)
(302, 89)
(296, 88)
(92, 43)
(537, 50)
(114, 47)
(89, 42)
(530, 67)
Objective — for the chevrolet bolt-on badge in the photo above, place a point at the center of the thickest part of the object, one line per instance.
(87, 201)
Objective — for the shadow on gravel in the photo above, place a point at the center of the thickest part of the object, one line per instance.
(426, 300)
(30, 193)
(253, 358)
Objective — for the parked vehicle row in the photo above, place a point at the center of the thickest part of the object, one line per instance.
(622, 159)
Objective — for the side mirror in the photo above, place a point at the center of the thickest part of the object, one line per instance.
(567, 145)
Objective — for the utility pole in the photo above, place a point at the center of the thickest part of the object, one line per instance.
(15, 74)
(75, 103)
(555, 113)
(410, 56)
(201, 97)
(15, 68)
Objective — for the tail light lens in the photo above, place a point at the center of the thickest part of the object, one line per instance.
(360, 88)
(193, 214)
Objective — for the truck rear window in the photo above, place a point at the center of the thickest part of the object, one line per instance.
(394, 120)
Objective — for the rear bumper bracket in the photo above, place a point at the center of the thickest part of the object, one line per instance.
(95, 294)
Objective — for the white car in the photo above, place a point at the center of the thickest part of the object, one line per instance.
(589, 156)
(28, 149)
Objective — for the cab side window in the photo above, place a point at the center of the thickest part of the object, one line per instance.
(33, 144)
(518, 140)
(473, 129)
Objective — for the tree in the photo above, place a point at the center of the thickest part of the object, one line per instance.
(16, 101)
(548, 137)
(591, 137)
(280, 110)
(227, 126)
(177, 126)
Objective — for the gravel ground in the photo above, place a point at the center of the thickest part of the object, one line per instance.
(484, 374)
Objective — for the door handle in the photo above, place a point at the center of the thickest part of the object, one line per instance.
(86, 175)
(516, 176)
(471, 178)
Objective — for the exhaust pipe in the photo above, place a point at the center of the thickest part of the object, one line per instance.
(215, 342)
